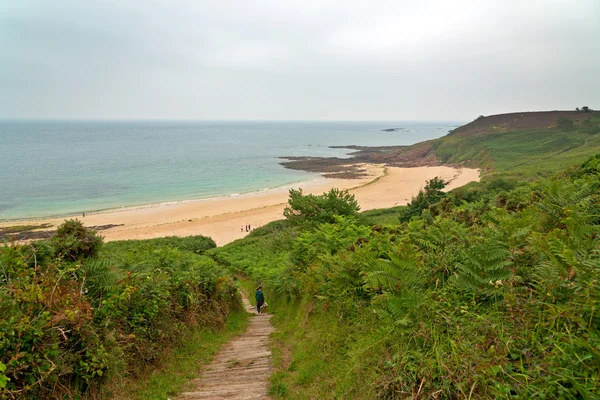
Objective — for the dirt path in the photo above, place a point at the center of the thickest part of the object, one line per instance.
(241, 370)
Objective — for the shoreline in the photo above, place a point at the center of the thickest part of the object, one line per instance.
(110, 210)
(223, 218)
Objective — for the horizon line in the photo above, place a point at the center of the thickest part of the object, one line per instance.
(214, 120)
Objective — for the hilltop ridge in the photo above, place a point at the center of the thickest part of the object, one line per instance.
(519, 120)
(521, 145)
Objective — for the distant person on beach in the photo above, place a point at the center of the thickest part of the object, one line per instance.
(242, 228)
(260, 299)
(249, 227)
(83, 215)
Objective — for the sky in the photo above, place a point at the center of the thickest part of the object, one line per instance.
(434, 60)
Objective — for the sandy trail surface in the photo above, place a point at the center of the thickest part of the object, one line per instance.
(224, 219)
(241, 370)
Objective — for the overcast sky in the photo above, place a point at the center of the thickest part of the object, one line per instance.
(296, 60)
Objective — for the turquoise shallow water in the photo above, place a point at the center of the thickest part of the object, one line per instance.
(50, 168)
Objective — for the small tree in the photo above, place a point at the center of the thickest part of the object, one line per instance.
(586, 109)
(73, 241)
(429, 196)
(320, 209)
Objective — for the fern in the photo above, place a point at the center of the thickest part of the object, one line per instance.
(396, 272)
(484, 268)
(399, 283)
(101, 277)
(441, 244)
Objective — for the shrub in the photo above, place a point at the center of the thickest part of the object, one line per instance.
(565, 124)
(429, 196)
(589, 127)
(66, 328)
(73, 241)
(320, 209)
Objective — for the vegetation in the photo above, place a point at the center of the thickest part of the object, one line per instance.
(524, 153)
(73, 241)
(488, 293)
(318, 209)
(565, 124)
(180, 367)
(521, 146)
(430, 195)
(584, 109)
(79, 316)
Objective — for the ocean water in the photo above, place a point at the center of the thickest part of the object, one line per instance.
(51, 168)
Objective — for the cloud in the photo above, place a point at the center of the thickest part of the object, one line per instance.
(185, 59)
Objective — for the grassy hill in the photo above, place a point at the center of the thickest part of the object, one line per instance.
(519, 145)
(523, 145)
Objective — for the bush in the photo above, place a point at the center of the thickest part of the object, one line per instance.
(431, 195)
(66, 328)
(320, 209)
(73, 241)
(589, 127)
(565, 124)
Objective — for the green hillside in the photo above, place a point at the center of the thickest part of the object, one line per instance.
(518, 145)
(494, 297)
(522, 152)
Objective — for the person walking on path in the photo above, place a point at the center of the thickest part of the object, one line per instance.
(260, 299)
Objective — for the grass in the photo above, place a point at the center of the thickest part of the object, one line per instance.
(383, 216)
(523, 154)
(196, 350)
(314, 352)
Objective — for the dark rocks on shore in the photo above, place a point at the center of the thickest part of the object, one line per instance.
(35, 232)
(330, 167)
(417, 155)
(368, 149)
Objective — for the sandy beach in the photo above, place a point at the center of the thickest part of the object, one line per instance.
(222, 218)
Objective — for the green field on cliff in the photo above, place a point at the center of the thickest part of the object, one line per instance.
(518, 145)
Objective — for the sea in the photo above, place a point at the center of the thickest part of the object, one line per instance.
(56, 168)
